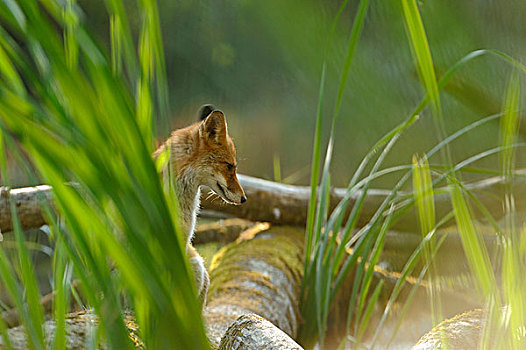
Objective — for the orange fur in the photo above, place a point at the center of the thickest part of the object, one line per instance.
(202, 154)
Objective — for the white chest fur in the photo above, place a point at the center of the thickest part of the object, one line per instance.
(188, 193)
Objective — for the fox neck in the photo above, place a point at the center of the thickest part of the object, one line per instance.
(189, 194)
(183, 144)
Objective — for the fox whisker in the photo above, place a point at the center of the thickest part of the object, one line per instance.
(210, 194)
(214, 196)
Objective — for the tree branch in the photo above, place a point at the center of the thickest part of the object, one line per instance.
(282, 204)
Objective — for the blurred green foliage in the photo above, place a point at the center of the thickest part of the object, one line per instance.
(84, 115)
(260, 61)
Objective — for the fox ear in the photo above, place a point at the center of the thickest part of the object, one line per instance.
(214, 128)
(205, 111)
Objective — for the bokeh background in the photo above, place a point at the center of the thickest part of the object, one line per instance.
(260, 62)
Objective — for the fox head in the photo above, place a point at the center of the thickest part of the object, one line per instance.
(216, 155)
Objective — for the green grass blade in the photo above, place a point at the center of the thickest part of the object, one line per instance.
(509, 128)
(422, 54)
(61, 284)
(124, 49)
(83, 127)
(366, 316)
(34, 318)
(154, 37)
(476, 252)
(9, 74)
(407, 270)
(509, 125)
(424, 62)
(362, 318)
(277, 169)
(309, 236)
(424, 200)
(70, 42)
(410, 297)
(351, 49)
(423, 194)
(503, 328)
(116, 43)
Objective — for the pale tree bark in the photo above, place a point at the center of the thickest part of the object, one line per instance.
(287, 204)
(462, 332)
(225, 231)
(80, 328)
(282, 204)
(262, 276)
(28, 202)
(253, 332)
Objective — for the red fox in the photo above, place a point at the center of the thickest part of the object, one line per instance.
(202, 154)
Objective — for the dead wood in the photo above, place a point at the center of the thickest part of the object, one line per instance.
(462, 332)
(28, 203)
(12, 319)
(225, 231)
(281, 204)
(253, 332)
(287, 204)
(262, 276)
(80, 328)
(258, 274)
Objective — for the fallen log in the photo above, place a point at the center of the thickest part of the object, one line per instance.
(462, 332)
(249, 332)
(241, 286)
(12, 319)
(224, 231)
(287, 204)
(80, 327)
(262, 276)
(28, 203)
(253, 332)
(258, 274)
(283, 204)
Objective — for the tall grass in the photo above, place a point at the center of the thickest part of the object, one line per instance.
(505, 328)
(506, 299)
(328, 263)
(86, 116)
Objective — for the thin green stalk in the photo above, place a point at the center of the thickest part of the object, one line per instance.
(410, 265)
(61, 284)
(318, 220)
(422, 55)
(34, 317)
(277, 169)
(424, 200)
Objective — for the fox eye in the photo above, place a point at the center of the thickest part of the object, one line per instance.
(229, 166)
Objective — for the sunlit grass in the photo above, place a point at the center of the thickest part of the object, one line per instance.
(506, 320)
(327, 263)
(424, 202)
(474, 247)
(87, 117)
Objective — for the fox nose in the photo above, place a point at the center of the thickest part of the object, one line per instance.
(243, 199)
